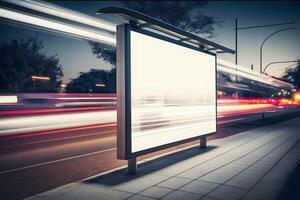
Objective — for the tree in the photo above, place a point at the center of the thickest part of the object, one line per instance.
(89, 82)
(186, 15)
(292, 75)
(105, 52)
(23, 58)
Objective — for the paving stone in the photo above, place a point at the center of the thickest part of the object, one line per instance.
(57, 192)
(33, 198)
(140, 183)
(88, 191)
(199, 187)
(139, 197)
(271, 184)
(218, 177)
(208, 198)
(225, 192)
(174, 182)
(178, 195)
(254, 171)
(198, 171)
(155, 192)
(243, 181)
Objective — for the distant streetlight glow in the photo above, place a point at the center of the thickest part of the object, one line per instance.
(100, 85)
(45, 78)
(40, 78)
(297, 97)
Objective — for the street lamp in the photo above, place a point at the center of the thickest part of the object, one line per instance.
(271, 63)
(261, 46)
(252, 27)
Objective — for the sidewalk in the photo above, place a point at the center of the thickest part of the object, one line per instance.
(252, 165)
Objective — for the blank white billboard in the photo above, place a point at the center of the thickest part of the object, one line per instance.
(166, 92)
(173, 92)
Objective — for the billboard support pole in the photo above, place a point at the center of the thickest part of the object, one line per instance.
(132, 166)
(203, 142)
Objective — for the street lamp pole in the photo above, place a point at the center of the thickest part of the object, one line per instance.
(261, 46)
(252, 27)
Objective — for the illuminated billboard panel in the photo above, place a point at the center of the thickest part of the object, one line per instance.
(170, 92)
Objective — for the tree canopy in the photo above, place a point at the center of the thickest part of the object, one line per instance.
(186, 15)
(94, 81)
(23, 58)
(292, 75)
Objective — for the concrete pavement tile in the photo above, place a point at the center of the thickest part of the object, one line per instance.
(267, 162)
(155, 192)
(57, 192)
(198, 171)
(174, 182)
(263, 165)
(178, 195)
(199, 187)
(218, 177)
(227, 193)
(243, 181)
(139, 183)
(241, 163)
(175, 169)
(256, 169)
(246, 161)
(89, 191)
(273, 157)
(33, 198)
(233, 168)
(139, 197)
(208, 198)
(271, 184)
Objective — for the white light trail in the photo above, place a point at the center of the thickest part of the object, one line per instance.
(231, 68)
(64, 13)
(8, 99)
(52, 122)
(58, 26)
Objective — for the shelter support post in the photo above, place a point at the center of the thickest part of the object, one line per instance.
(203, 142)
(132, 166)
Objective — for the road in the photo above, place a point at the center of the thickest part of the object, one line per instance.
(35, 162)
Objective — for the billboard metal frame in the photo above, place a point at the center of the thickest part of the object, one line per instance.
(124, 92)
